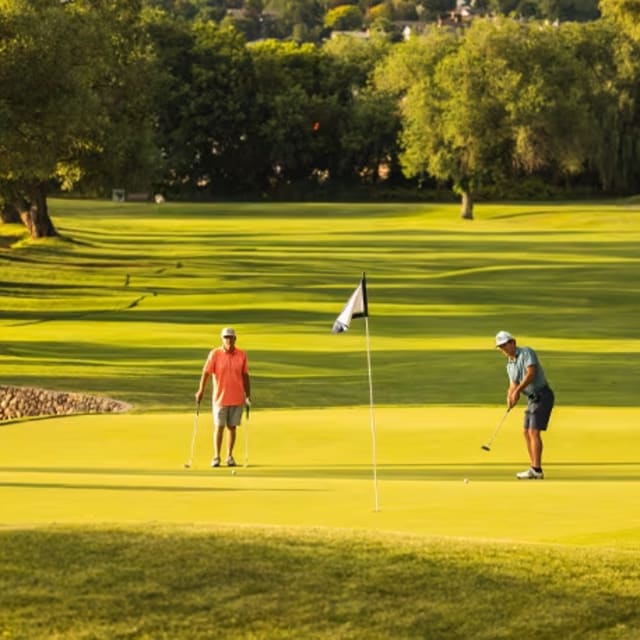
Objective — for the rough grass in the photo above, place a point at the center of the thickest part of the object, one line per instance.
(165, 582)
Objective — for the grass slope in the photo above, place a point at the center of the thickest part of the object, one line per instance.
(128, 305)
(131, 305)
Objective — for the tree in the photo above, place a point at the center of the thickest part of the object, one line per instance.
(205, 120)
(369, 143)
(295, 114)
(432, 9)
(57, 118)
(625, 14)
(367, 133)
(302, 19)
(43, 113)
(343, 18)
(125, 152)
(191, 9)
(403, 10)
(318, 121)
(505, 100)
(409, 74)
(573, 10)
(612, 57)
(570, 10)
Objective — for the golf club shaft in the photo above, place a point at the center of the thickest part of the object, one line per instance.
(246, 445)
(247, 407)
(194, 434)
(495, 433)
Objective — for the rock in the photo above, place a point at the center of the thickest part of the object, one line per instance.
(19, 402)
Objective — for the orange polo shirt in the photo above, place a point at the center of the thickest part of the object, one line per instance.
(227, 369)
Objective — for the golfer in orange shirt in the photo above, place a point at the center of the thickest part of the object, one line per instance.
(229, 368)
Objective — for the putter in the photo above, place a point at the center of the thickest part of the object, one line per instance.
(187, 465)
(487, 447)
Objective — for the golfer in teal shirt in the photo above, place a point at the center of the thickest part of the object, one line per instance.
(526, 376)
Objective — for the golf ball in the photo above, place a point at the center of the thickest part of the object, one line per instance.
(233, 472)
(466, 480)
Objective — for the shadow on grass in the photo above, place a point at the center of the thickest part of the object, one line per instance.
(110, 487)
(491, 472)
(159, 582)
(134, 487)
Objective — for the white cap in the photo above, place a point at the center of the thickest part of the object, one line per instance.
(502, 337)
(227, 331)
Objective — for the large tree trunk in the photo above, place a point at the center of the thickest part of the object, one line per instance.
(34, 213)
(466, 211)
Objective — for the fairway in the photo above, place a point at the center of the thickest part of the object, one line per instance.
(127, 305)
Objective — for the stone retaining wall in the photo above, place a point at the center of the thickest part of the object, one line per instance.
(22, 402)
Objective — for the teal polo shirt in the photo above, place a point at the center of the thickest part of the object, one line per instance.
(517, 369)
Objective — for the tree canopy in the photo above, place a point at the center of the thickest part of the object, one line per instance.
(158, 96)
(73, 106)
(504, 100)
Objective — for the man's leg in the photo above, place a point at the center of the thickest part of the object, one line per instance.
(535, 448)
(217, 440)
(527, 440)
(232, 440)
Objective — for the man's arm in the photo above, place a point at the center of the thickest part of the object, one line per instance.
(246, 381)
(515, 389)
(204, 379)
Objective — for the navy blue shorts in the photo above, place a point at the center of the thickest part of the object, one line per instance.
(538, 411)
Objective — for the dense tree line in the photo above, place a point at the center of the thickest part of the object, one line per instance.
(309, 19)
(171, 97)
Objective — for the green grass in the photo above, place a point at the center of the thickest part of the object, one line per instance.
(104, 533)
(265, 583)
(133, 303)
(312, 468)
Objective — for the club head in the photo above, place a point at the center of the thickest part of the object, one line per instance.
(485, 447)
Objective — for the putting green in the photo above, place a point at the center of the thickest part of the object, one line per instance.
(314, 468)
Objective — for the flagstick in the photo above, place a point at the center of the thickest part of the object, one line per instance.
(371, 415)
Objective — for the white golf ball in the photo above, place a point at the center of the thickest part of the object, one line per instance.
(466, 480)
(233, 472)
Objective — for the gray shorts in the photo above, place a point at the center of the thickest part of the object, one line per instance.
(538, 411)
(227, 416)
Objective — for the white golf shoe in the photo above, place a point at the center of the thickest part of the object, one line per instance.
(530, 474)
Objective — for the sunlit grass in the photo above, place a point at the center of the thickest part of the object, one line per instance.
(128, 302)
(149, 284)
(313, 467)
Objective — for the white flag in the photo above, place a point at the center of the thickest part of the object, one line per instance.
(357, 307)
